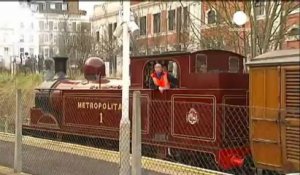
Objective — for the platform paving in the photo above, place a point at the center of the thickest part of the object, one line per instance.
(40, 161)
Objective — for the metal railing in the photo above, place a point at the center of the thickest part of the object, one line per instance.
(77, 133)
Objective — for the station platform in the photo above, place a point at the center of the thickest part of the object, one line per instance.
(8, 171)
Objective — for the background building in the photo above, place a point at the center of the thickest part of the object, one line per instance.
(55, 19)
(189, 25)
(17, 34)
(164, 26)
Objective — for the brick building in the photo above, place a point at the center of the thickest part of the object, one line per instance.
(164, 26)
(218, 30)
(187, 25)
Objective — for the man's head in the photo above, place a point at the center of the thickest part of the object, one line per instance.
(158, 68)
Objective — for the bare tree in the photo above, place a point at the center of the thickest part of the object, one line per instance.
(263, 34)
(76, 43)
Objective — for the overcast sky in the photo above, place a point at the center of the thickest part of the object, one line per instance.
(88, 6)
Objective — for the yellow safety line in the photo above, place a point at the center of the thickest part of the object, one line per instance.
(152, 164)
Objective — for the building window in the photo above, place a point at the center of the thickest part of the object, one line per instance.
(41, 25)
(55, 51)
(55, 39)
(51, 37)
(211, 17)
(46, 26)
(55, 25)
(115, 26)
(22, 38)
(51, 25)
(74, 26)
(64, 6)
(41, 7)
(110, 32)
(185, 17)
(31, 38)
(78, 27)
(60, 26)
(171, 19)
(46, 39)
(259, 7)
(31, 51)
(143, 23)
(22, 51)
(5, 50)
(51, 52)
(21, 25)
(294, 33)
(44, 6)
(58, 6)
(156, 23)
(52, 6)
(41, 38)
(233, 64)
(46, 52)
(97, 36)
(201, 63)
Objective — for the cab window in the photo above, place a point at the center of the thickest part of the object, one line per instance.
(168, 66)
(201, 63)
(233, 64)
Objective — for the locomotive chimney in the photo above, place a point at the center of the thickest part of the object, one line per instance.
(60, 64)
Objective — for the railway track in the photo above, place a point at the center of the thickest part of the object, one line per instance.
(151, 164)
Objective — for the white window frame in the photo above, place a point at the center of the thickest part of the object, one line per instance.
(64, 6)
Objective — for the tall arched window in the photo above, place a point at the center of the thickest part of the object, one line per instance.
(211, 17)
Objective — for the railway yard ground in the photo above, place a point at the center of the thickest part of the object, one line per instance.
(47, 157)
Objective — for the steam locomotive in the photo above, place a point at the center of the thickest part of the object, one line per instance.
(188, 119)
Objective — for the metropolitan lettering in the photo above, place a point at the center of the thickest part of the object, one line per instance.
(99, 105)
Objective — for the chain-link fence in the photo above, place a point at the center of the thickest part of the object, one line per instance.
(78, 133)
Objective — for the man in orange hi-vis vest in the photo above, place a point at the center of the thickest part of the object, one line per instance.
(160, 78)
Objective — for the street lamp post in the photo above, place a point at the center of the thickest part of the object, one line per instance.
(124, 143)
(240, 18)
(125, 27)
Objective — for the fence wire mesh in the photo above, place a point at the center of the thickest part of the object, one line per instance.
(79, 134)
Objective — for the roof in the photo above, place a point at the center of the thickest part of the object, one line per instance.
(289, 56)
(180, 53)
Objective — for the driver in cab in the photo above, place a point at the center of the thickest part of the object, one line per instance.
(160, 79)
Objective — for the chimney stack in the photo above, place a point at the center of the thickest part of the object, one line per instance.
(60, 64)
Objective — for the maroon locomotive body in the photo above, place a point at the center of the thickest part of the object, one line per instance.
(195, 117)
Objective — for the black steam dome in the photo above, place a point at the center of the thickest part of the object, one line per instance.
(94, 68)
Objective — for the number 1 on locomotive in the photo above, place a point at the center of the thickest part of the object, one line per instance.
(101, 117)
